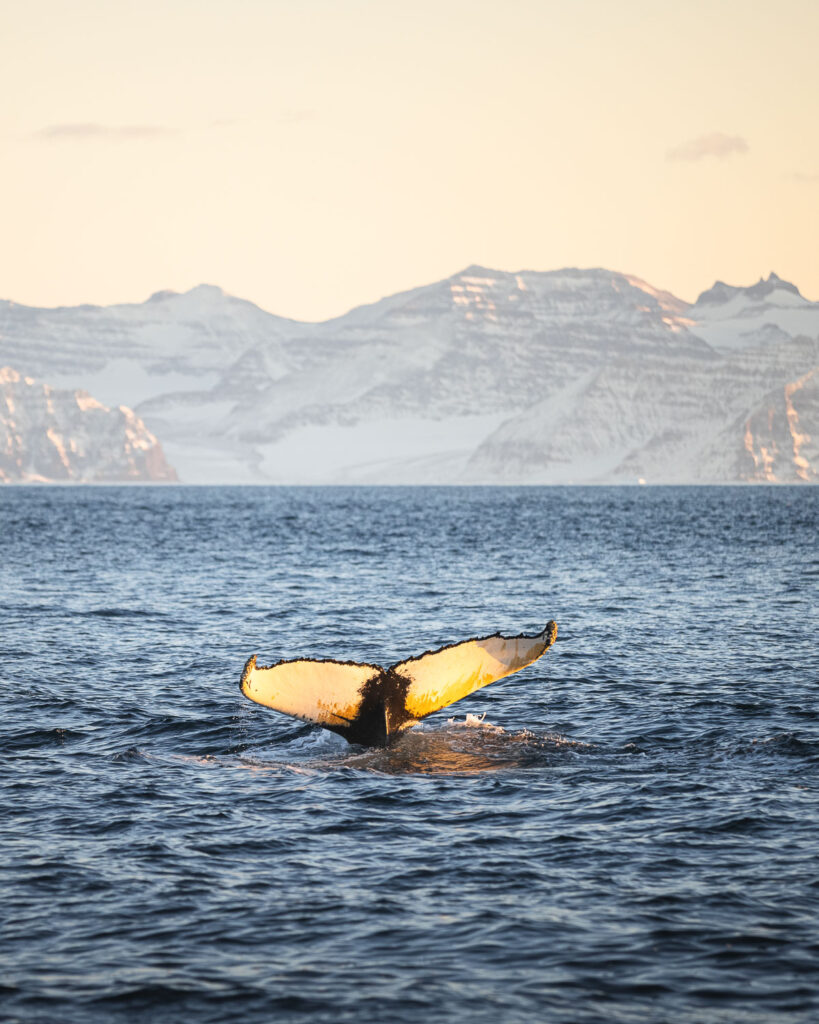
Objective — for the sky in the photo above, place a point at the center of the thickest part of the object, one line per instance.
(313, 155)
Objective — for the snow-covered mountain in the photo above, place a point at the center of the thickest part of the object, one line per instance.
(487, 376)
(48, 434)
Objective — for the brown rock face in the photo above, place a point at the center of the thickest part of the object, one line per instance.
(781, 438)
(68, 436)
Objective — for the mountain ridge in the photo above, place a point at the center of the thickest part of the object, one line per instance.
(483, 376)
(762, 286)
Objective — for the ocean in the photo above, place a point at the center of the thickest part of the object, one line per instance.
(626, 831)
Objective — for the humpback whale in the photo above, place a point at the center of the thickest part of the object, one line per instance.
(371, 705)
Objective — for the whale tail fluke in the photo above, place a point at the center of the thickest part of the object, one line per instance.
(325, 692)
(445, 676)
(370, 705)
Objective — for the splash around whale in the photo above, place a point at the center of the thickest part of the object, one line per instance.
(371, 705)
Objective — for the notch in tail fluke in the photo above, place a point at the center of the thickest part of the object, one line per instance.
(371, 705)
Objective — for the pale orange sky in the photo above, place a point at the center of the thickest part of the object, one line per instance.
(313, 155)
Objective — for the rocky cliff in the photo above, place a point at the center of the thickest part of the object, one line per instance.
(47, 434)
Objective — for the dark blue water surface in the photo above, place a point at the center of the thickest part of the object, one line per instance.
(631, 834)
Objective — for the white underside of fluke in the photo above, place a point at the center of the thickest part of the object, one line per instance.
(370, 705)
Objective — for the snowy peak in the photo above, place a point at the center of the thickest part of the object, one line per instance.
(129, 352)
(203, 299)
(721, 292)
(203, 291)
(482, 299)
(773, 283)
(201, 303)
(212, 291)
(731, 318)
(474, 270)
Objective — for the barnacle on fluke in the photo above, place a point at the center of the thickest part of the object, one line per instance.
(370, 705)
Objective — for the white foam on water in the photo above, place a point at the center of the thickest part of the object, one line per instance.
(475, 722)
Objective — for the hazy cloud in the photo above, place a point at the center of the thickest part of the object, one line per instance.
(91, 130)
(717, 145)
(806, 179)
